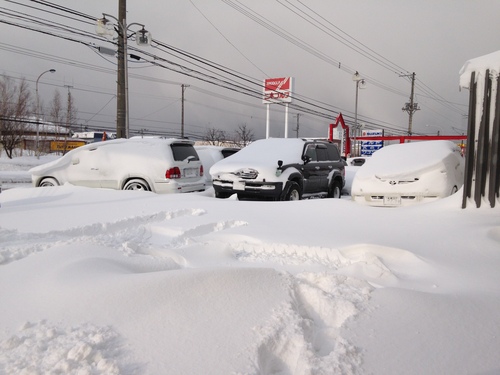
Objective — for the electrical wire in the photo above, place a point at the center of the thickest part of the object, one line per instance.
(213, 73)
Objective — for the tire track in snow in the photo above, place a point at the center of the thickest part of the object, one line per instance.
(380, 265)
(129, 235)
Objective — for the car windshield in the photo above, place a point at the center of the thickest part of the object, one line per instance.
(182, 151)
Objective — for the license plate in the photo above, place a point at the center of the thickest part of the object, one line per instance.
(392, 200)
(239, 185)
(190, 172)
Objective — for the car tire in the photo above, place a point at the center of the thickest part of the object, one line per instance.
(48, 182)
(136, 184)
(335, 189)
(294, 193)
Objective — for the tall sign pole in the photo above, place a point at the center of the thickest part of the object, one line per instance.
(277, 90)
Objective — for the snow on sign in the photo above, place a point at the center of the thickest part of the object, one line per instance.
(277, 90)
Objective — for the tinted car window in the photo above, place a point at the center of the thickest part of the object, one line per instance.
(322, 153)
(311, 152)
(228, 152)
(333, 152)
(182, 151)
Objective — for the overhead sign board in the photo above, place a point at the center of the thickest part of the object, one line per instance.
(277, 90)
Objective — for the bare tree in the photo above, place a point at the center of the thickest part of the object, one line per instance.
(14, 111)
(56, 114)
(63, 119)
(71, 113)
(244, 136)
(215, 137)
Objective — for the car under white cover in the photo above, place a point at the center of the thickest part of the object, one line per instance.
(409, 173)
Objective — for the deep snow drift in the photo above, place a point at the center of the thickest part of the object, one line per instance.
(96, 281)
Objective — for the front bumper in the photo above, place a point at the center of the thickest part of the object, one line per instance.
(249, 189)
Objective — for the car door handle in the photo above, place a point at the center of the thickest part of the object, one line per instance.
(317, 168)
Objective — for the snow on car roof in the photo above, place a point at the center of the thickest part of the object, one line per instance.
(123, 142)
(407, 158)
(287, 149)
(265, 152)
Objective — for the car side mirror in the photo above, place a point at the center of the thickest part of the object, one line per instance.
(278, 170)
(306, 159)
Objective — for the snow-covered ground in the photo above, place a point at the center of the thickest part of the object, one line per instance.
(97, 281)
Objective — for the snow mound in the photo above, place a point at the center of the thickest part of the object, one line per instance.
(379, 265)
(46, 348)
(382, 265)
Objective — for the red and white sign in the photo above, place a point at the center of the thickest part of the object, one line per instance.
(277, 90)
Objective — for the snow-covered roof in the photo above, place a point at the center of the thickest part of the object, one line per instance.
(479, 65)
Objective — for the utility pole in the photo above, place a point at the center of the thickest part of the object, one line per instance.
(107, 29)
(297, 128)
(182, 109)
(121, 100)
(411, 107)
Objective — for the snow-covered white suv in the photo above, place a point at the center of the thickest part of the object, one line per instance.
(151, 164)
(281, 169)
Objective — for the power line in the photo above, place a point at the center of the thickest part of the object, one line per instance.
(205, 71)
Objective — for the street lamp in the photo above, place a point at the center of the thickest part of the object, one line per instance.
(38, 111)
(105, 28)
(360, 83)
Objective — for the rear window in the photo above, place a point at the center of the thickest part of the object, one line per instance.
(182, 151)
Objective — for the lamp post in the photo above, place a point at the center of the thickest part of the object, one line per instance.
(106, 28)
(356, 78)
(37, 145)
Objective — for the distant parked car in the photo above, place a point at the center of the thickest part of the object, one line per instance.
(356, 161)
(280, 169)
(209, 155)
(151, 164)
(409, 173)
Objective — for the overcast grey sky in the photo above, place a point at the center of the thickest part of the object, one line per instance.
(320, 43)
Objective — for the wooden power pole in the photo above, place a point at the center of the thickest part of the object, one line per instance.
(411, 107)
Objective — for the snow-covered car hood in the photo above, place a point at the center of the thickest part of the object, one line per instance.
(409, 159)
(262, 155)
